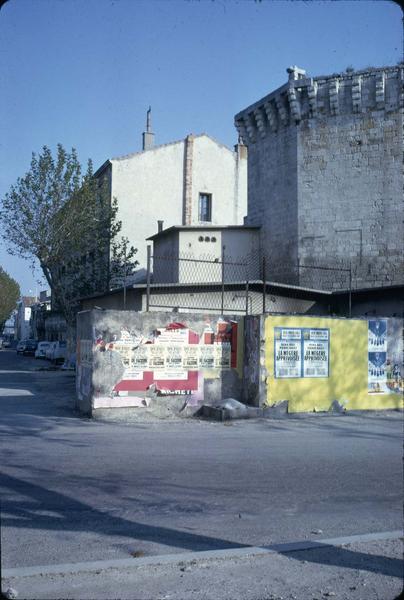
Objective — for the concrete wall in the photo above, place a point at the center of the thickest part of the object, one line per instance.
(313, 363)
(325, 176)
(205, 246)
(169, 364)
(163, 363)
(165, 266)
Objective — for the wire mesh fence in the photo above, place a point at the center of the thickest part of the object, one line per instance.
(249, 286)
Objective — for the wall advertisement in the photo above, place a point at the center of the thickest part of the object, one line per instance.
(301, 352)
(171, 359)
(384, 373)
(377, 356)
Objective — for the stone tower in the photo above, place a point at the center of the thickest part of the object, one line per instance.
(325, 177)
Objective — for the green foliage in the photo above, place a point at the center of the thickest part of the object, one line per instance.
(9, 294)
(66, 220)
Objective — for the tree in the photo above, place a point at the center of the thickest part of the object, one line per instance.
(66, 220)
(9, 294)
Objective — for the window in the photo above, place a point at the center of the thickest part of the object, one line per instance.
(205, 207)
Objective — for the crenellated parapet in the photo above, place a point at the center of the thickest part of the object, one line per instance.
(303, 98)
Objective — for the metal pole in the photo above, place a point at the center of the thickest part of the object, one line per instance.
(124, 280)
(148, 278)
(264, 285)
(222, 303)
(246, 298)
(350, 291)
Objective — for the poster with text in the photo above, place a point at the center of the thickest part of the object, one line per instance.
(222, 354)
(288, 352)
(140, 358)
(207, 357)
(173, 364)
(315, 353)
(191, 357)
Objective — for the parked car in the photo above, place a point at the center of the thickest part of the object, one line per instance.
(59, 352)
(21, 346)
(40, 352)
(1, 343)
(30, 347)
(49, 350)
(56, 352)
(6, 344)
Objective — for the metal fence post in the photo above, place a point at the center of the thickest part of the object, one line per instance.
(148, 278)
(264, 285)
(222, 303)
(350, 290)
(124, 279)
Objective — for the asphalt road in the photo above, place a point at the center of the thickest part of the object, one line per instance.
(77, 490)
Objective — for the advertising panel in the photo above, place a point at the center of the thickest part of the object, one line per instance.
(377, 356)
(288, 352)
(301, 352)
(315, 352)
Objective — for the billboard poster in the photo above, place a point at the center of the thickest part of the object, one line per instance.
(377, 375)
(377, 335)
(288, 352)
(173, 363)
(157, 357)
(377, 356)
(140, 358)
(207, 356)
(301, 352)
(168, 360)
(315, 352)
(191, 357)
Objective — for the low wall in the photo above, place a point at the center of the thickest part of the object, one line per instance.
(315, 362)
(130, 363)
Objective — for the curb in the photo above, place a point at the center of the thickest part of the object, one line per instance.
(193, 557)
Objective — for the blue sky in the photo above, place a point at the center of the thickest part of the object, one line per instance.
(83, 73)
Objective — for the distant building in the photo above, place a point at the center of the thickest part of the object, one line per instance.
(9, 327)
(194, 181)
(23, 316)
(325, 178)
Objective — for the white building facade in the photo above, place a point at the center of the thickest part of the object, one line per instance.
(191, 182)
(206, 254)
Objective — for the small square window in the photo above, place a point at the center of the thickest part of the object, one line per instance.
(205, 207)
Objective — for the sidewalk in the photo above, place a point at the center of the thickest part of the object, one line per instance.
(366, 569)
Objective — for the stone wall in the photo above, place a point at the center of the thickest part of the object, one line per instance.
(326, 179)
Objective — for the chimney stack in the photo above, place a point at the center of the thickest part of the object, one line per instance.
(160, 226)
(148, 135)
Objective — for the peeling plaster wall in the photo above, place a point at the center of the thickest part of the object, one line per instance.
(110, 385)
